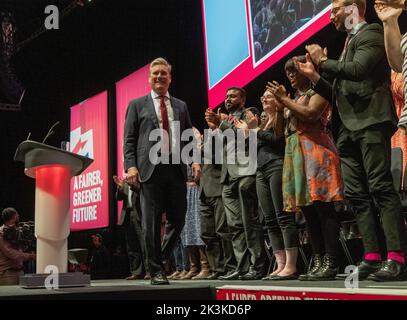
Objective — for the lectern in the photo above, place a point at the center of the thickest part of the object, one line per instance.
(53, 169)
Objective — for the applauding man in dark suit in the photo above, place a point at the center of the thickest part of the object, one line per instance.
(163, 183)
(360, 90)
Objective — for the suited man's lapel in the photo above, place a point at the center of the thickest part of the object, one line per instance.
(175, 109)
(351, 46)
(151, 110)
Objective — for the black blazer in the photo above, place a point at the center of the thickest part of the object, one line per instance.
(141, 119)
(269, 147)
(123, 195)
(360, 86)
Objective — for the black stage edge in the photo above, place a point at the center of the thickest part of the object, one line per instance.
(186, 290)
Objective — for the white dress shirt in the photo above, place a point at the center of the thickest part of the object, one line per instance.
(157, 101)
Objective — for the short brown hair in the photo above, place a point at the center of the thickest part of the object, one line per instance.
(361, 4)
(160, 61)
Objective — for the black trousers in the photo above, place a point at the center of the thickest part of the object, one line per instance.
(365, 157)
(215, 233)
(323, 227)
(165, 191)
(240, 201)
(134, 242)
(280, 225)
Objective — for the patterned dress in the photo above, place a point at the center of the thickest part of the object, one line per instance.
(311, 165)
(399, 139)
(191, 233)
(403, 117)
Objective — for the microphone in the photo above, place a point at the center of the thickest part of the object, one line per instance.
(29, 135)
(50, 131)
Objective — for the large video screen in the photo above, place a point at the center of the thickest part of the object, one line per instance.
(243, 38)
(90, 190)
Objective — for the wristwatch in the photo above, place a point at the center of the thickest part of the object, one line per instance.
(322, 60)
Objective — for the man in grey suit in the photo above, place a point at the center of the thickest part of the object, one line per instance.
(214, 229)
(161, 176)
(239, 192)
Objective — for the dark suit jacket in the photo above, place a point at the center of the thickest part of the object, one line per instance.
(361, 83)
(209, 182)
(237, 169)
(123, 195)
(141, 119)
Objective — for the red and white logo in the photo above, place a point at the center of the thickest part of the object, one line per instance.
(82, 144)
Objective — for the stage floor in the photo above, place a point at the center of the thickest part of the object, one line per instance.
(212, 290)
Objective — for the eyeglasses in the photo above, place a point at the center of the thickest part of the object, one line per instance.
(267, 96)
(291, 73)
(334, 11)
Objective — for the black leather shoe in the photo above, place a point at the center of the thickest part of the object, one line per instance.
(268, 277)
(231, 275)
(313, 268)
(390, 270)
(364, 269)
(159, 279)
(293, 276)
(327, 272)
(251, 275)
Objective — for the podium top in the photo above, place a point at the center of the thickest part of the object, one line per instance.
(35, 154)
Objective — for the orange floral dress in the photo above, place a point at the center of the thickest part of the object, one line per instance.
(399, 139)
(311, 169)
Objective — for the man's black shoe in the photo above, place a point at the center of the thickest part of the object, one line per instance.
(159, 279)
(390, 270)
(364, 269)
(231, 275)
(251, 275)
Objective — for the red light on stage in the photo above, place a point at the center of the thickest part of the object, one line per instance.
(53, 180)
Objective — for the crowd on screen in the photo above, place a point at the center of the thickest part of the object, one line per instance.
(275, 20)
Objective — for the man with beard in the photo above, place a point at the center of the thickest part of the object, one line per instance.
(239, 193)
(366, 122)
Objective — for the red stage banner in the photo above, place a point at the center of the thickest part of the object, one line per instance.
(281, 294)
(89, 203)
(132, 87)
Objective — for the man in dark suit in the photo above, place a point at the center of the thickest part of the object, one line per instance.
(130, 219)
(161, 175)
(239, 191)
(367, 120)
(214, 229)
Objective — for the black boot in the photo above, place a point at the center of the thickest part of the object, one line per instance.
(328, 270)
(316, 264)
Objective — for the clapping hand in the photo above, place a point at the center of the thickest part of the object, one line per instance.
(214, 119)
(316, 52)
(307, 69)
(385, 12)
(279, 91)
(397, 4)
